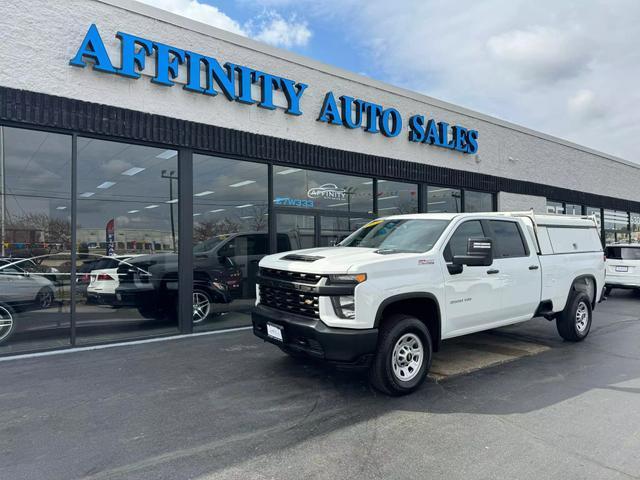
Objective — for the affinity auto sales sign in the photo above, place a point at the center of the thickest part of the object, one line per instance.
(235, 82)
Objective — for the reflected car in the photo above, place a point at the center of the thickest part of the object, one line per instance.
(103, 279)
(83, 275)
(150, 284)
(21, 290)
(31, 265)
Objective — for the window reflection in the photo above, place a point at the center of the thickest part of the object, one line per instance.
(127, 262)
(616, 226)
(440, 200)
(555, 207)
(397, 198)
(230, 236)
(35, 229)
(635, 227)
(478, 201)
(310, 189)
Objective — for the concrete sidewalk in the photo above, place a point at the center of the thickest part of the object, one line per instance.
(230, 407)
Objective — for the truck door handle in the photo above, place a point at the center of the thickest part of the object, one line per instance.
(533, 267)
(492, 271)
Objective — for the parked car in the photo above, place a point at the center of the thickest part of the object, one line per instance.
(83, 274)
(103, 279)
(387, 295)
(21, 290)
(623, 266)
(150, 283)
(31, 265)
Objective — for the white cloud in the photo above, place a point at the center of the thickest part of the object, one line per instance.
(201, 12)
(275, 30)
(585, 106)
(541, 53)
(269, 27)
(548, 65)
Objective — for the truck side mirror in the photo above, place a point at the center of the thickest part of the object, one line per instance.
(479, 253)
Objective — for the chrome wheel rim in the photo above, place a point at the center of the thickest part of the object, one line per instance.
(582, 317)
(201, 307)
(46, 299)
(6, 323)
(407, 358)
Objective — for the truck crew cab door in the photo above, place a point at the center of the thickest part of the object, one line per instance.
(473, 296)
(519, 270)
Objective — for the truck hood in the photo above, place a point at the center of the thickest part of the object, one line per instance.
(325, 259)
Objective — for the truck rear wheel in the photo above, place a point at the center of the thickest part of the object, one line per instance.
(403, 357)
(574, 322)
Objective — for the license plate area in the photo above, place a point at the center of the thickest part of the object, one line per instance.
(275, 331)
(622, 269)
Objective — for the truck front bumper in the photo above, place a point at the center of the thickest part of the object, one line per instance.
(309, 336)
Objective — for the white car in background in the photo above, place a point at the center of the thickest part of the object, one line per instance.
(623, 266)
(103, 279)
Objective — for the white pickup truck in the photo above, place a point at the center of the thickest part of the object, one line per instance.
(387, 295)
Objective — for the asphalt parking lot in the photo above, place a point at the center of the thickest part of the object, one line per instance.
(227, 406)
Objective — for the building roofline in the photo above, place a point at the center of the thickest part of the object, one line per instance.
(248, 43)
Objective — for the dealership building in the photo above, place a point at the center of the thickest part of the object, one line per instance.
(130, 132)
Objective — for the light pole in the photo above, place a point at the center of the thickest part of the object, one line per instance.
(171, 178)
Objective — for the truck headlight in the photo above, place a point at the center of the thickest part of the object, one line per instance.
(348, 278)
(344, 306)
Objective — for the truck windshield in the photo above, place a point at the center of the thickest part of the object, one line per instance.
(209, 244)
(398, 235)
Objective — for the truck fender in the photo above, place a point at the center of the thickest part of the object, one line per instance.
(586, 284)
(433, 324)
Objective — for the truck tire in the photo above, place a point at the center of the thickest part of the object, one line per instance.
(403, 357)
(7, 323)
(574, 322)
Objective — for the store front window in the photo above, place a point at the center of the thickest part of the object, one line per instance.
(440, 200)
(397, 198)
(616, 226)
(635, 227)
(555, 207)
(230, 237)
(573, 209)
(35, 226)
(597, 212)
(478, 201)
(315, 190)
(315, 209)
(127, 224)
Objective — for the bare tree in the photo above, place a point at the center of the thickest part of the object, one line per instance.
(259, 221)
(208, 229)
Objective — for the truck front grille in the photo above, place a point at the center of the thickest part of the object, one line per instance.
(290, 301)
(310, 278)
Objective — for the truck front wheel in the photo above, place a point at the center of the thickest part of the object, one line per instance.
(574, 322)
(403, 357)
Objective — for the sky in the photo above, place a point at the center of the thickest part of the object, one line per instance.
(569, 68)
